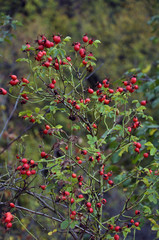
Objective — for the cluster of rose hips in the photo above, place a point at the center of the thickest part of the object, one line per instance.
(7, 219)
(106, 176)
(130, 84)
(27, 167)
(44, 44)
(119, 229)
(14, 80)
(137, 149)
(32, 119)
(134, 125)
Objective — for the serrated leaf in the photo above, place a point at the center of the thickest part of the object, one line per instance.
(65, 224)
(72, 225)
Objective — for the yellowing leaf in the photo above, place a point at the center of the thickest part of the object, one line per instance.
(152, 131)
(54, 231)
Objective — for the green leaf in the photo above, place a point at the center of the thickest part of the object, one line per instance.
(147, 210)
(58, 126)
(97, 41)
(67, 39)
(65, 224)
(141, 108)
(118, 127)
(72, 225)
(124, 149)
(37, 110)
(23, 60)
(135, 101)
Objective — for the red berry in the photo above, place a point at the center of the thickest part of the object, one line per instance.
(98, 205)
(45, 131)
(43, 187)
(146, 155)
(125, 83)
(33, 172)
(3, 91)
(128, 87)
(84, 152)
(66, 193)
(80, 162)
(72, 216)
(88, 204)
(25, 80)
(120, 89)
(77, 107)
(90, 210)
(26, 166)
(56, 65)
(57, 39)
(68, 59)
(84, 62)
(110, 226)
(12, 205)
(80, 178)
(80, 196)
(137, 150)
(14, 77)
(137, 212)
(103, 201)
(47, 127)
(111, 90)
(133, 80)
(143, 102)
(132, 220)
(117, 228)
(74, 175)
(43, 154)
(136, 224)
(99, 85)
(105, 176)
(76, 47)
(138, 145)
(129, 129)
(94, 125)
(28, 173)
(90, 90)
(9, 225)
(91, 41)
(116, 237)
(91, 159)
(66, 147)
(72, 200)
(135, 119)
(85, 38)
(110, 182)
(73, 212)
(24, 160)
(136, 86)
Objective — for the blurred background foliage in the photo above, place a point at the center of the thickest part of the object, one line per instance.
(128, 30)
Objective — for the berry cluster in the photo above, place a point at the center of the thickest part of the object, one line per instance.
(27, 167)
(7, 219)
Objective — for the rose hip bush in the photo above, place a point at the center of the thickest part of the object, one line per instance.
(93, 153)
